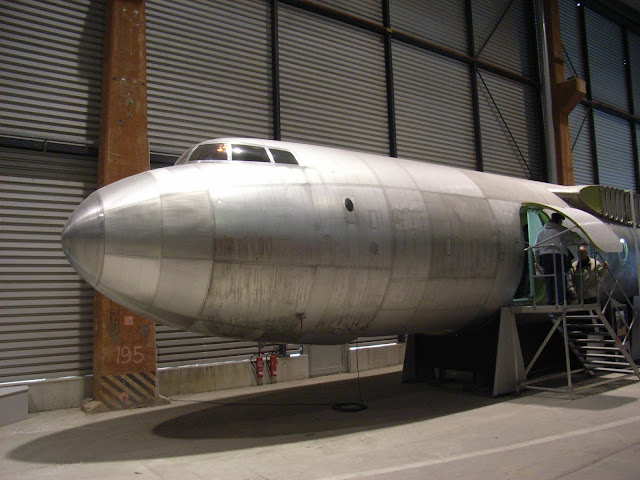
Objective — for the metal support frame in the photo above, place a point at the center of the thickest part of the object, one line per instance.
(275, 71)
(473, 77)
(582, 21)
(388, 69)
(547, 110)
(510, 379)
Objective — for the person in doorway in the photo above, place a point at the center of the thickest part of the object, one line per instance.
(555, 258)
(585, 273)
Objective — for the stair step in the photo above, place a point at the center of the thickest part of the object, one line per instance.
(604, 363)
(599, 340)
(592, 339)
(602, 355)
(615, 370)
(596, 347)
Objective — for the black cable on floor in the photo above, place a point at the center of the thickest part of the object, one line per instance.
(351, 407)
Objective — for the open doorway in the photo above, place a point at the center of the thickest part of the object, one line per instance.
(532, 219)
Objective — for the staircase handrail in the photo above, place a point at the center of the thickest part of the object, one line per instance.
(627, 302)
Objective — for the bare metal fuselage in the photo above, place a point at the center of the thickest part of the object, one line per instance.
(346, 244)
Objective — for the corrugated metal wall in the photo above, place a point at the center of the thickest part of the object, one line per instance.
(208, 71)
(606, 60)
(46, 311)
(604, 136)
(615, 151)
(570, 29)
(502, 34)
(434, 118)
(51, 69)
(366, 9)
(332, 83)
(441, 22)
(509, 112)
(579, 124)
(634, 62)
(510, 132)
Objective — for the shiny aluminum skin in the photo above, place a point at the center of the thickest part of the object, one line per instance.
(270, 252)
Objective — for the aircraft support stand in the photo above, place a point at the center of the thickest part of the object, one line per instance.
(587, 337)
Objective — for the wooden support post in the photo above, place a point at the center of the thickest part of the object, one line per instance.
(565, 95)
(124, 351)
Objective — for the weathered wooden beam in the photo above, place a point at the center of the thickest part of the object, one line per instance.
(124, 352)
(565, 94)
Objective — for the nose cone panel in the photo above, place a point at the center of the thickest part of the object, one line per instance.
(83, 239)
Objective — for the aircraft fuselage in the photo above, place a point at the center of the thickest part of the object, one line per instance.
(345, 244)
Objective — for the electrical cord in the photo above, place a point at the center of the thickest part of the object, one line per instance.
(352, 407)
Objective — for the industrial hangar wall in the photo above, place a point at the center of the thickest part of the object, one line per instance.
(451, 82)
(605, 127)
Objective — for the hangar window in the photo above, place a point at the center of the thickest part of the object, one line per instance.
(209, 151)
(282, 156)
(248, 153)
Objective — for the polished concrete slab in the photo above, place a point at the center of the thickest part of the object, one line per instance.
(409, 431)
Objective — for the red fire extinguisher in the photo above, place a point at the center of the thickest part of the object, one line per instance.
(259, 366)
(273, 365)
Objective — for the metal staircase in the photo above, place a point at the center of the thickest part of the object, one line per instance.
(596, 345)
(603, 354)
(584, 323)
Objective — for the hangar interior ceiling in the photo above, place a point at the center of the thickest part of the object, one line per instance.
(451, 82)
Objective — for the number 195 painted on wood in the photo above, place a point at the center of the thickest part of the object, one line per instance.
(126, 354)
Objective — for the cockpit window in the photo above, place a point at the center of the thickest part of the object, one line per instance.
(247, 153)
(282, 156)
(240, 153)
(209, 151)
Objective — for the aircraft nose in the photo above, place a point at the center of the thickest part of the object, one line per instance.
(83, 239)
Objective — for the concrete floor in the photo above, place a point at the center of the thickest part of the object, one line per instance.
(290, 431)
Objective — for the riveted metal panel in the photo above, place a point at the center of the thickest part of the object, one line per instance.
(46, 310)
(434, 120)
(192, 213)
(409, 217)
(366, 9)
(511, 146)
(615, 151)
(51, 69)
(177, 347)
(332, 83)
(508, 45)
(579, 124)
(606, 60)
(440, 21)
(208, 71)
(182, 285)
(453, 253)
